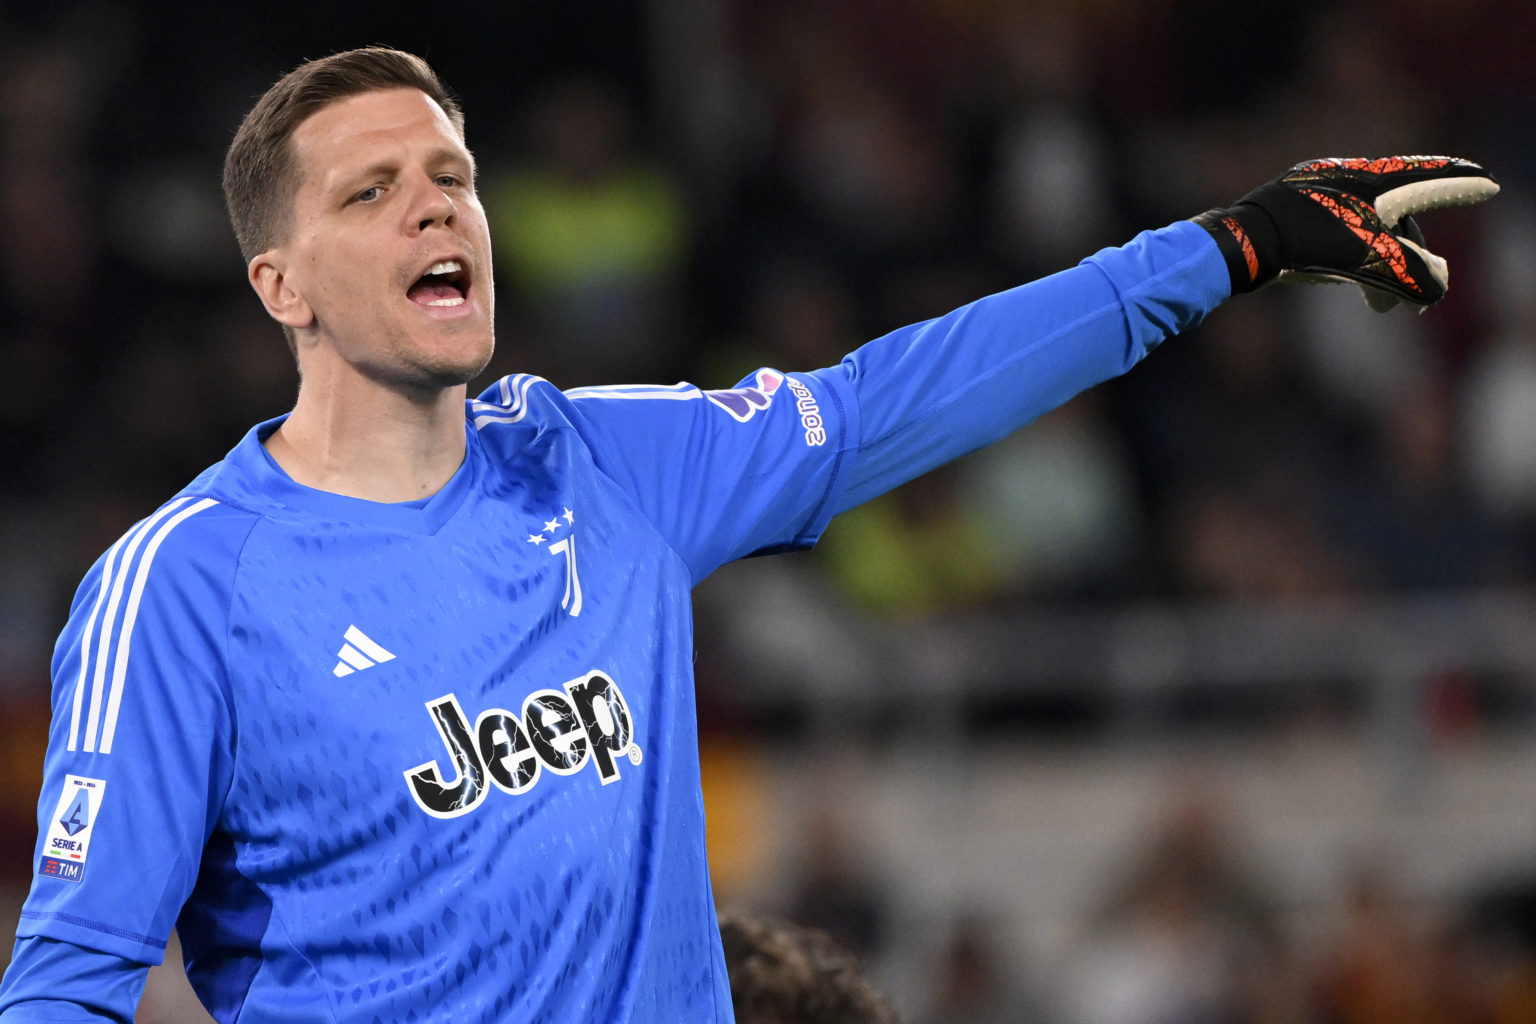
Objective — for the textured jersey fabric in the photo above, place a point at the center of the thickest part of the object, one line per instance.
(437, 761)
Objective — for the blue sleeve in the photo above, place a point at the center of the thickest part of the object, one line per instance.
(936, 390)
(140, 749)
(52, 982)
(765, 465)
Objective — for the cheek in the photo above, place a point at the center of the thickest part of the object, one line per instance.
(310, 273)
(349, 277)
(476, 225)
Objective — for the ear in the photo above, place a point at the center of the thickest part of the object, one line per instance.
(268, 276)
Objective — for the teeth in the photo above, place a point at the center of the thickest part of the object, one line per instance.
(446, 267)
(456, 301)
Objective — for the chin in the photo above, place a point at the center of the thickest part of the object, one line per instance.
(448, 374)
(457, 365)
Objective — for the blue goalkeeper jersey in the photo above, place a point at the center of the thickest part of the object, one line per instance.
(437, 761)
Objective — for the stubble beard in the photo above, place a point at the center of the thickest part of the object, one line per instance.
(413, 369)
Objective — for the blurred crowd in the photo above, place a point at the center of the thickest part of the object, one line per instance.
(1188, 932)
(689, 189)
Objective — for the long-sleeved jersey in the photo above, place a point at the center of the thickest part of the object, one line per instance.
(437, 760)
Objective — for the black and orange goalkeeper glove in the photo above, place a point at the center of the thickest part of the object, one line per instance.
(1348, 220)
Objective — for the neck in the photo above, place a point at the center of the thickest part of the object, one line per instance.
(389, 445)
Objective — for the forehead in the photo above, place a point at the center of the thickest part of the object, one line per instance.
(359, 129)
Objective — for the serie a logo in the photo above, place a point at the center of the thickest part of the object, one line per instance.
(558, 731)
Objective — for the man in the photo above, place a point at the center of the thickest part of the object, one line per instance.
(390, 712)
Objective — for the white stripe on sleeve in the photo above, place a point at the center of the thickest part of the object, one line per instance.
(98, 683)
(90, 631)
(120, 668)
(680, 392)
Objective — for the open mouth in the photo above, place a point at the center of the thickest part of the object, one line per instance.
(445, 284)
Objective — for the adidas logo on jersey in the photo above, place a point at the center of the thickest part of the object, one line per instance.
(358, 653)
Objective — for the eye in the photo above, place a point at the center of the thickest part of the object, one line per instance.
(368, 194)
(448, 181)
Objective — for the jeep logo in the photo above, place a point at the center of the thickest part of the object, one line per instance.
(589, 721)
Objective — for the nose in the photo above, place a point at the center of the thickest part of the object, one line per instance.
(431, 205)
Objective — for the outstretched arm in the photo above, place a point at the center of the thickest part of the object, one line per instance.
(937, 390)
(764, 465)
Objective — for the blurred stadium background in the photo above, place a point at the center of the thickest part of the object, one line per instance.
(1209, 698)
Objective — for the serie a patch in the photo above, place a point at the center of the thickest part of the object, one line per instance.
(70, 828)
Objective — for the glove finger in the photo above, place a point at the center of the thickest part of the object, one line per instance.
(1438, 269)
(1403, 269)
(1395, 266)
(1408, 233)
(1427, 182)
(1431, 194)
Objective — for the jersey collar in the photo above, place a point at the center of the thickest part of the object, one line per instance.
(424, 515)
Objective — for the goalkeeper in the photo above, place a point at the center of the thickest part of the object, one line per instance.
(391, 710)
